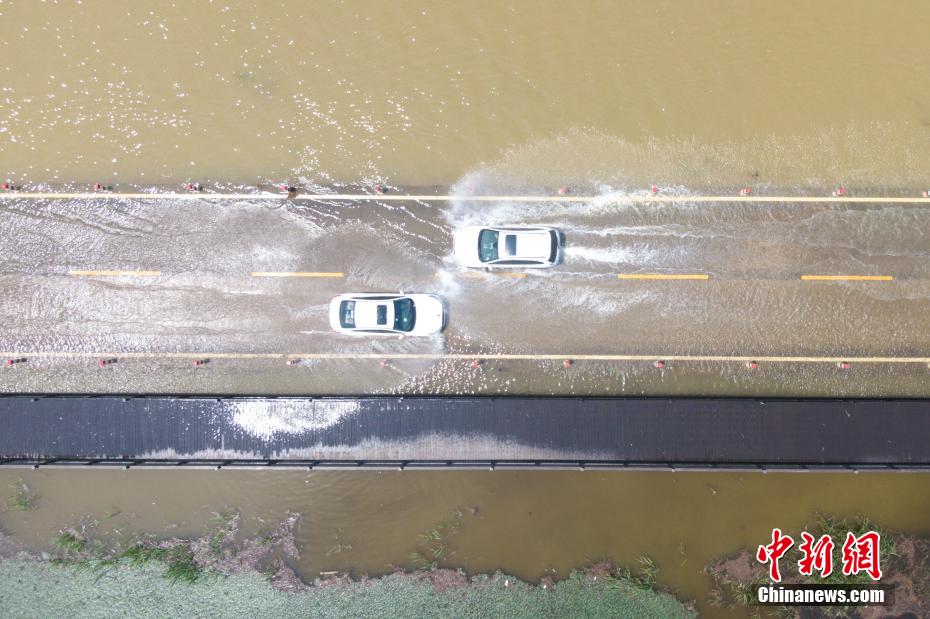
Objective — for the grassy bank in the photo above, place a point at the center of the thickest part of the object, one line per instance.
(30, 588)
(94, 573)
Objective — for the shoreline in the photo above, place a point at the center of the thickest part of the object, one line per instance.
(219, 575)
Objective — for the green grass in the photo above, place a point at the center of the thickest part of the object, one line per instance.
(37, 589)
(69, 541)
(139, 554)
(81, 554)
(181, 565)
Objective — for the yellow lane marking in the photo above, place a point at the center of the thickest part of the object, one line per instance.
(115, 273)
(467, 356)
(847, 278)
(296, 274)
(606, 199)
(663, 276)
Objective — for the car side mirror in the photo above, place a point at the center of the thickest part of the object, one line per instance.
(400, 337)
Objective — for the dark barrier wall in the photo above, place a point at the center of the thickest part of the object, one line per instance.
(624, 430)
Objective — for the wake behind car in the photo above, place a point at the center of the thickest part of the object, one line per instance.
(525, 247)
(384, 313)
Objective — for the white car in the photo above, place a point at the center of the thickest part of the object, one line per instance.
(524, 247)
(385, 313)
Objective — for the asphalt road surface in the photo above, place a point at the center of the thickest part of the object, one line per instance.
(727, 298)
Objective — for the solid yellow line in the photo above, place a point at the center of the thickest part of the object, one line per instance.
(639, 199)
(115, 273)
(466, 356)
(849, 278)
(295, 274)
(663, 276)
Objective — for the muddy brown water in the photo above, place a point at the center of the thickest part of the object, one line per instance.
(530, 524)
(615, 92)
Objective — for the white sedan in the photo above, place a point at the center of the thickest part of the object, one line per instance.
(385, 313)
(524, 247)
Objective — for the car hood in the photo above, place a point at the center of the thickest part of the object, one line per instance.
(431, 314)
(465, 245)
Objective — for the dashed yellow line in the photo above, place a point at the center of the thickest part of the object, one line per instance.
(847, 278)
(469, 356)
(115, 273)
(296, 274)
(700, 276)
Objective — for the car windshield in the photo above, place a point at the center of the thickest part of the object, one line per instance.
(347, 314)
(487, 245)
(554, 250)
(404, 315)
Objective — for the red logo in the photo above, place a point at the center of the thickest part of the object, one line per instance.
(773, 552)
(817, 556)
(860, 554)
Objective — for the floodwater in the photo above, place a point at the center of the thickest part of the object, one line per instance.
(605, 98)
(513, 98)
(529, 524)
(203, 300)
(412, 92)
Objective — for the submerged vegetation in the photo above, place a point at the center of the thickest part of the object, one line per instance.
(22, 497)
(645, 576)
(433, 544)
(220, 552)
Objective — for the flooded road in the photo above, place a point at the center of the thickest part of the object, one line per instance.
(521, 97)
(103, 278)
(529, 524)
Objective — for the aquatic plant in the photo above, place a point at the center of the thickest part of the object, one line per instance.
(69, 540)
(432, 546)
(22, 498)
(226, 524)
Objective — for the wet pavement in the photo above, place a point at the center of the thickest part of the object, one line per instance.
(158, 284)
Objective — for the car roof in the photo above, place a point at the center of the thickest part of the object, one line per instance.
(368, 311)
